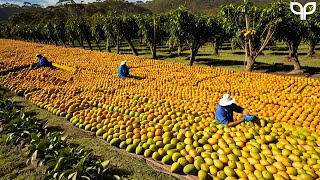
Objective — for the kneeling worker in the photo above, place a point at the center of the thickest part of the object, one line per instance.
(224, 112)
(124, 70)
(43, 62)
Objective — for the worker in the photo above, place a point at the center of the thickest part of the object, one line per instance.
(225, 109)
(43, 62)
(124, 70)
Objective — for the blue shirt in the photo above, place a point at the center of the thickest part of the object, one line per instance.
(123, 71)
(42, 62)
(224, 114)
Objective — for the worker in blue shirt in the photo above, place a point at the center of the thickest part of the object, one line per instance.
(124, 70)
(225, 109)
(43, 62)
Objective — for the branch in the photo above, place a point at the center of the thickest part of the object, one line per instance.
(266, 41)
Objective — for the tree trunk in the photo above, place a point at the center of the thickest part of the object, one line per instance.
(250, 63)
(97, 42)
(133, 49)
(89, 43)
(117, 45)
(55, 42)
(154, 49)
(179, 50)
(154, 52)
(216, 47)
(290, 50)
(64, 43)
(108, 46)
(312, 46)
(72, 42)
(294, 57)
(194, 52)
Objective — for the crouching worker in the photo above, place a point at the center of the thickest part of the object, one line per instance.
(225, 109)
(124, 70)
(43, 62)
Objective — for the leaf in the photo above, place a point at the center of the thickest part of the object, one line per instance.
(59, 163)
(85, 177)
(33, 160)
(73, 176)
(105, 163)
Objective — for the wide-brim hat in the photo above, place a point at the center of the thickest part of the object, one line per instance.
(226, 100)
(123, 62)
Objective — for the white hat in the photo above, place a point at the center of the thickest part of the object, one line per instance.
(37, 55)
(123, 62)
(226, 100)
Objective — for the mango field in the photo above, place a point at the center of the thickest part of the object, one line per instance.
(168, 111)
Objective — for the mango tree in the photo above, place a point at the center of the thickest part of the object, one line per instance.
(128, 29)
(312, 26)
(249, 28)
(109, 21)
(59, 30)
(49, 34)
(288, 28)
(97, 31)
(217, 33)
(187, 27)
(83, 32)
(71, 32)
(153, 30)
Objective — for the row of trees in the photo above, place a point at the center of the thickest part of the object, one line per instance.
(244, 25)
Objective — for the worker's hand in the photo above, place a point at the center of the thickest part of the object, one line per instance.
(249, 118)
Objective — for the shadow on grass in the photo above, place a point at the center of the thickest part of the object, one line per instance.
(268, 68)
(286, 54)
(276, 67)
(218, 62)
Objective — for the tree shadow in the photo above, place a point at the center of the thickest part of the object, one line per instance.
(279, 48)
(218, 62)
(276, 67)
(286, 54)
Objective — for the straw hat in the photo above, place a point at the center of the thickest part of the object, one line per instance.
(123, 62)
(226, 100)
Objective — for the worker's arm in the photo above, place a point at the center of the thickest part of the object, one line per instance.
(246, 113)
(232, 124)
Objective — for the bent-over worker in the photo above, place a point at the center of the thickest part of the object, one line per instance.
(225, 109)
(43, 62)
(124, 70)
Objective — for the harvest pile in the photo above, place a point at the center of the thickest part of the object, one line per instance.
(169, 114)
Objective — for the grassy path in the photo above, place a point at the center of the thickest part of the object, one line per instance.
(122, 164)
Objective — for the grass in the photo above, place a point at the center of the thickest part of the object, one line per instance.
(122, 164)
(273, 59)
(13, 163)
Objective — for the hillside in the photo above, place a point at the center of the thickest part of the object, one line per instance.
(71, 11)
(6, 10)
(200, 6)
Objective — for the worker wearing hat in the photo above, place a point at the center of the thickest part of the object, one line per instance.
(225, 109)
(43, 62)
(124, 70)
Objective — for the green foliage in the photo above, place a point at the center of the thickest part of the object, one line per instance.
(146, 28)
(62, 160)
(312, 26)
(187, 28)
(208, 7)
